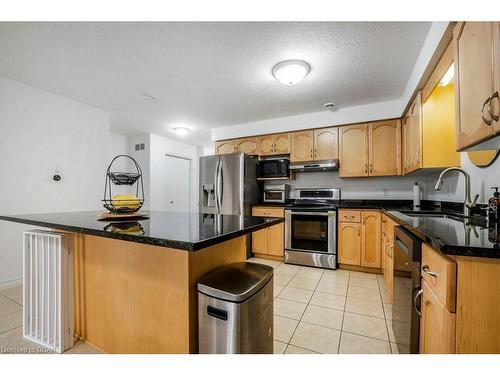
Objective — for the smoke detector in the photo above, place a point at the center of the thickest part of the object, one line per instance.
(329, 106)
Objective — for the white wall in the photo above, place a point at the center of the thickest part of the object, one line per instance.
(40, 130)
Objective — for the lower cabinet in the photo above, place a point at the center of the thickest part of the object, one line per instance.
(387, 254)
(349, 244)
(437, 324)
(269, 241)
(359, 238)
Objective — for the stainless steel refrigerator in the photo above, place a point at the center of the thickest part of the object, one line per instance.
(228, 184)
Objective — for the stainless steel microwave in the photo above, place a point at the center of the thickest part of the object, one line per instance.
(274, 168)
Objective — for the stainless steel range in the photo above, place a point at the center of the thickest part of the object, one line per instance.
(311, 228)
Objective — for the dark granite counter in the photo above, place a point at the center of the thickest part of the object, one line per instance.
(186, 231)
(452, 235)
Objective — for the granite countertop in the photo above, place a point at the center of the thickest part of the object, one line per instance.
(185, 231)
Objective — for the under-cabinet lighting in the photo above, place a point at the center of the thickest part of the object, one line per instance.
(448, 76)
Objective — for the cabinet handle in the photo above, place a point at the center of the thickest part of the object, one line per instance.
(371, 168)
(425, 268)
(418, 294)
(486, 102)
(492, 115)
(311, 153)
(366, 168)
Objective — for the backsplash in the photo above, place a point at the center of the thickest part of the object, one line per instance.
(358, 188)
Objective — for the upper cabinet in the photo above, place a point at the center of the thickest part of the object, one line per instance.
(244, 145)
(273, 144)
(319, 144)
(225, 147)
(370, 149)
(477, 81)
(412, 136)
(353, 150)
(302, 146)
(385, 148)
(326, 143)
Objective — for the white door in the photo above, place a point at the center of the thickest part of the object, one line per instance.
(175, 185)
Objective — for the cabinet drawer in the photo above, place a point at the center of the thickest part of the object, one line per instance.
(350, 216)
(268, 211)
(441, 276)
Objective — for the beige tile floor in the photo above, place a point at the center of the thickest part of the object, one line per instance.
(316, 311)
(330, 311)
(11, 332)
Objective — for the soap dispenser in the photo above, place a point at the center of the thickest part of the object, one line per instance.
(494, 206)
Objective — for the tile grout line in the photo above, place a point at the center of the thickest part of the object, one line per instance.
(343, 314)
(385, 317)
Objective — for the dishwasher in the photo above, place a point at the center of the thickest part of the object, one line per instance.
(407, 291)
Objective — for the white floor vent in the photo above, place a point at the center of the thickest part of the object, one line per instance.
(47, 290)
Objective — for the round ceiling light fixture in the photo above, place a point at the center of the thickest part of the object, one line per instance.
(330, 106)
(181, 130)
(291, 72)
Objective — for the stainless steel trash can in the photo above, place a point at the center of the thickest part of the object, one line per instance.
(235, 310)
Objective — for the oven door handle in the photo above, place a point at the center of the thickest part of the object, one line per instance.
(311, 213)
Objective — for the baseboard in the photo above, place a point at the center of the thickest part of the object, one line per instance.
(11, 283)
(270, 257)
(360, 269)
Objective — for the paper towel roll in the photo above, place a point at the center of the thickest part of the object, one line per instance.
(416, 196)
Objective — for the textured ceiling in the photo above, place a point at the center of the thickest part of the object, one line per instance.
(210, 74)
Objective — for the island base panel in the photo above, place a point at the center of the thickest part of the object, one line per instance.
(136, 298)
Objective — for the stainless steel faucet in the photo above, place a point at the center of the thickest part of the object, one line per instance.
(468, 203)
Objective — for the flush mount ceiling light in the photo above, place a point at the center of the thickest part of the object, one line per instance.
(448, 76)
(181, 130)
(148, 97)
(291, 72)
(329, 106)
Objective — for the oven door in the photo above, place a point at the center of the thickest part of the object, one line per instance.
(310, 231)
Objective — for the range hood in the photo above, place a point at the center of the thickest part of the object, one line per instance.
(316, 166)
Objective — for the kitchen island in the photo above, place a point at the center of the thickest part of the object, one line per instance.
(134, 283)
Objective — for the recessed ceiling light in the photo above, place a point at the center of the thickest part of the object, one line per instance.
(448, 76)
(148, 97)
(181, 130)
(291, 72)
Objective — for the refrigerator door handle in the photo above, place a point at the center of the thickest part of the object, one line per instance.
(216, 188)
(220, 188)
(242, 184)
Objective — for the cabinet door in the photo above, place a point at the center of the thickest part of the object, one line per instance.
(385, 148)
(282, 143)
(265, 145)
(275, 240)
(350, 243)
(416, 133)
(259, 241)
(473, 45)
(406, 144)
(353, 150)
(246, 145)
(302, 146)
(370, 239)
(225, 147)
(437, 325)
(326, 144)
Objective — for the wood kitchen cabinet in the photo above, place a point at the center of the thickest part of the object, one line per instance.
(412, 136)
(353, 150)
(269, 241)
(326, 143)
(318, 144)
(477, 81)
(387, 254)
(437, 324)
(385, 148)
(370, 239)
(246, 145)
(372, 149)
(225, 147)
(273, 144)
(349, 244)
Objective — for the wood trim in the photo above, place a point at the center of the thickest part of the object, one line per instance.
(438, 73)
(351, 267)
(270, 257)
